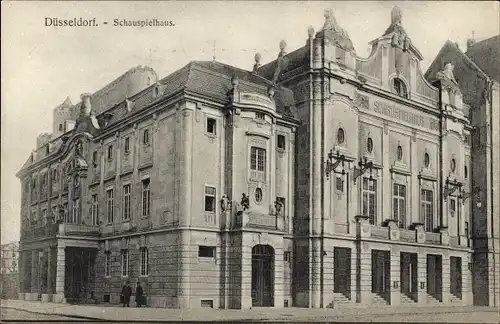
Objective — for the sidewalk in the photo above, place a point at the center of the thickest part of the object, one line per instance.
(116, 313)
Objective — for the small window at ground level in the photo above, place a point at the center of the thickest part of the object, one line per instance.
(281, 142)
(206, 251)
(211, 126)
(286, 256)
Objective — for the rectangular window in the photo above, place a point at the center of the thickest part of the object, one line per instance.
(124, 263)
(107, 263)
(211, 126)
(76, 212)
(427, 209)
(339, 184)
(281, 142)
(110, 152)
(109, 206)
(259, 115)
(146, 197)
(145, 137)
(94, 158)
(95, 210)
(54, 213)
(467, 234)
(126, 202)
(127, 145)
(206, 251)
(286, 256)
(66, 212)
(399, 205)
(44, 216)
(282, 202)
(210, 199)
(453, 205)
(144, 262)
(369, 194)
(257, 159)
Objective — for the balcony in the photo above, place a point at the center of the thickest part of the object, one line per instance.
(44, 231)
(245, 219)
(78, 230)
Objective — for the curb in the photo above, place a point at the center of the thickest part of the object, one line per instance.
(97, 319)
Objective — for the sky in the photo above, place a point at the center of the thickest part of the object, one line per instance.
(41, 65)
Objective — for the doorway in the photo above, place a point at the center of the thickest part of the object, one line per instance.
(434, 276)
(409, 275)
(342, 271)
(381, 273)
(262, 276)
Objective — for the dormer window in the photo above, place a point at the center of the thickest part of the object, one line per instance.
(399, 87)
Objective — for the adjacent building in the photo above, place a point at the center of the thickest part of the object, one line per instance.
(316, 180)
(478, 73)
(9, 283)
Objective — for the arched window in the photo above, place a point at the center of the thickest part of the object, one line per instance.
(399, 87)
(340, 136)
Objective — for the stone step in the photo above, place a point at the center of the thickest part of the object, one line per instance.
(340, 298)
(378, 300)
(405, 299)
(432, 300)
(455, 299)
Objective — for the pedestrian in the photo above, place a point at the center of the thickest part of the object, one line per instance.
(138, 294)
(126, 293)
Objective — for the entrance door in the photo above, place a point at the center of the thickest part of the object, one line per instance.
(408, 273)
(342, 271)
(262, 276)
(79, 274)
(381, 272)
(434, 276)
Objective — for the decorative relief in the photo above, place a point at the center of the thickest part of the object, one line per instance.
(361, 101)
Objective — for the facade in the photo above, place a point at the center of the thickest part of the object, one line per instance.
(9, 283)
(477, 72)
(316, 180)
(10, 256)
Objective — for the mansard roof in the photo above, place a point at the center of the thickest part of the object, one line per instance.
(209, 79)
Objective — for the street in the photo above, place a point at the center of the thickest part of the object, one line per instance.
(18, 315)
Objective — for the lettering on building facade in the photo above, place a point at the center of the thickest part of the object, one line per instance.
(396, 111)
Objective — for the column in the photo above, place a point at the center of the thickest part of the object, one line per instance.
(22, 273)
(364, 274)
(445, 279)
(422, 277)
(50, 271)
(34, 275)
(60, 275)
(395, 290)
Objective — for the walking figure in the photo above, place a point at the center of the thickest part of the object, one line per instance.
(126, 293)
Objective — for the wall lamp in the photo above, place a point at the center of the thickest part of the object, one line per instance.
(364, 165)
(451, 186)
(466, 195)
(333, 162)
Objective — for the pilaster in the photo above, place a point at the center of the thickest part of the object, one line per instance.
(328, 275)
(316, 273)
(364, 275)
(422, 277)
(466, 281)
(184, 269)
(395, 289)
(278, 278)
(445, 279)
(246, 276)
(60, 275)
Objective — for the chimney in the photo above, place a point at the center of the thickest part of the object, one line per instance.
(471, 41)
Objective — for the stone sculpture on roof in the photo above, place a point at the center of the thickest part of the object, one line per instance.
(87, 121)
(333, 32)
(447, 78)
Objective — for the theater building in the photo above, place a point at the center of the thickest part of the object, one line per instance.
(317, 180)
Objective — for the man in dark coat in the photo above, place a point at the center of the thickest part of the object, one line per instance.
(138, 295)
(126, 293)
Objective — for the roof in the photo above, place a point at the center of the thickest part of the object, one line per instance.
(296, 59)
(207, 78)
(486, 55)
